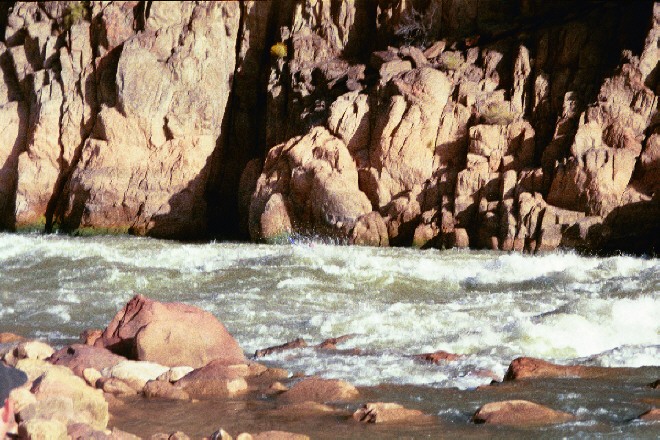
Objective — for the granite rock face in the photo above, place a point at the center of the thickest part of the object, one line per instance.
(518, 125)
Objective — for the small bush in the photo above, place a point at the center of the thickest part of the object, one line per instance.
(278, 50)
(497, 113)
(451, 61)
(74, 14)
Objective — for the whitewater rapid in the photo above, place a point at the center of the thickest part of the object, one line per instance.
(489, 307)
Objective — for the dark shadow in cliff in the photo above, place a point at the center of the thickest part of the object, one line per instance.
(243, 134)
(9, 174)
(633, 229)
(5, 7)
(9, 170)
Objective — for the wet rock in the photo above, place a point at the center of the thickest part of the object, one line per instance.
(655, 385)
(135, 373)
(310, 182)
(171, 334)
(519, 412)
(319, 390)
(331, 343)
(438, 357)
(532, 368)
(303, 409)
(8, 338)
(291, 345)
(221, 434)
(216, 379)
(370, 230)
(652, 415)
(79, 357)
(164, 390)
(380, 412)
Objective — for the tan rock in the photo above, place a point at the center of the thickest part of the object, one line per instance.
(194, 337)
(118, 387)
(349, 120)
(164, 390)
(33, 350)
(519, 412)
(319, 390)
(59, 384)
(39, 429)
(320, 178)
(380, 412)
(135, 373)
(89, 336)
(175, 373)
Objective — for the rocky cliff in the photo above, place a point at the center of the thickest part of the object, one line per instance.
(517, 124)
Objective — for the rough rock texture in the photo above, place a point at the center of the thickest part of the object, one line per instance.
(79, 357)
(532, 368)
(319, 390)
(380, 412)
(170, 334)
(521, 125)
(519, 412)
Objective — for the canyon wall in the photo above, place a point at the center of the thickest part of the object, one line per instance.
(512, 125)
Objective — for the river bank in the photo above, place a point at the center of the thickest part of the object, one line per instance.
(484, 308)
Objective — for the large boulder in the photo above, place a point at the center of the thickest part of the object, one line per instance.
(170, 334)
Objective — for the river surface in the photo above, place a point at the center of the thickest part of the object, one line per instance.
(490, 307)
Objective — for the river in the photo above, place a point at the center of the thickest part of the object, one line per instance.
(490, 307)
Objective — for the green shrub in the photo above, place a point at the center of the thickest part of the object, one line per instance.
(74, 14)
(278, 50)
(497, 113)
(451, 61)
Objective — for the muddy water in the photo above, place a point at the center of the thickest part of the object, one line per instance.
(489, 307)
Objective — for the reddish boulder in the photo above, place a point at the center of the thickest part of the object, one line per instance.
(164, 390)
(170, 334)
(215, 380)
(519, 412)
(380, 412)
(315, 389)
(652, 415)
(78, 357)
(331, 343)
(8, 338)
(532, 368)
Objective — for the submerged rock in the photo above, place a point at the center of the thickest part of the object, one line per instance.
(171, 334)
(314, 389)
(519, 412)
(532, 368)
(380, 412)
(291, 345)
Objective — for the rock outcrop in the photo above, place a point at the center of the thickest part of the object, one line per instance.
(171, 334)
(526, 126)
